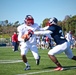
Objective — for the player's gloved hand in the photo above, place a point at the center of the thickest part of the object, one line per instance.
(30, 32)
(26, 39)
(27, 36)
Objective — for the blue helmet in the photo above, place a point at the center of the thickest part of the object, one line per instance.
(53, 20)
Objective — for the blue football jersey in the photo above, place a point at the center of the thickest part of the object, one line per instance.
(57, 34)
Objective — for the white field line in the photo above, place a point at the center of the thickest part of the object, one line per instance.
(10, 61)
(32, 73)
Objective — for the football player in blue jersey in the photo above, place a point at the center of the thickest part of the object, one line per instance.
(62, 45)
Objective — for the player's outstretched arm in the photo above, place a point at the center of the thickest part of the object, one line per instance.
(42, 32)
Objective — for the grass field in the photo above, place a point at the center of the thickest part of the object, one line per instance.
(11, 63)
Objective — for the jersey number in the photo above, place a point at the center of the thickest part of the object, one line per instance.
(62, 35)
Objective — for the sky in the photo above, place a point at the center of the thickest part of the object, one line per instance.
(16, 10)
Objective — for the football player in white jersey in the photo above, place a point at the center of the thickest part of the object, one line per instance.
(38, 41)
(68, 36)
(62, 45)
(28, 40)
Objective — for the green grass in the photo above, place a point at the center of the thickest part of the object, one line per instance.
(8, 66)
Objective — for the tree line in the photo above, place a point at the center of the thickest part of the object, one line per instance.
(68, 24)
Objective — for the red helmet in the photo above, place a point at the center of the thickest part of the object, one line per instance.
(29, 20)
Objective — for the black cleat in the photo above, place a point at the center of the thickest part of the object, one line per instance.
(38, 61)
(27, 68)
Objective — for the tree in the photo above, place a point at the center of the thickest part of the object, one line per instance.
(6, 22)
(70, 23)
(45, 21)
(67, 17)
(16, 23)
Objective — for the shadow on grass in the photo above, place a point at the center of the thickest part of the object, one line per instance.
(69, 67)
(65, 67)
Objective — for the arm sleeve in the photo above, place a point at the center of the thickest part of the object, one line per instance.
(45, 28)
(19, 37)
(43, 32)
(20, 34)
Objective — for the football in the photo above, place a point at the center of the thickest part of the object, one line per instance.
(25, 36)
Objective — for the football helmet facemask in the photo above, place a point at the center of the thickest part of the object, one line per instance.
(52, 21)
(29, 20)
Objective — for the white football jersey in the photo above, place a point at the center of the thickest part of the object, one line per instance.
(23, 29)
(68, 36)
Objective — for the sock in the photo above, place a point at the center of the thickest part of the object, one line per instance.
(27, 64)
(58, 64)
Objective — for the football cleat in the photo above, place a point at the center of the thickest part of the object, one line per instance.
(38, 61)
(58, 69)
(27, 68)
